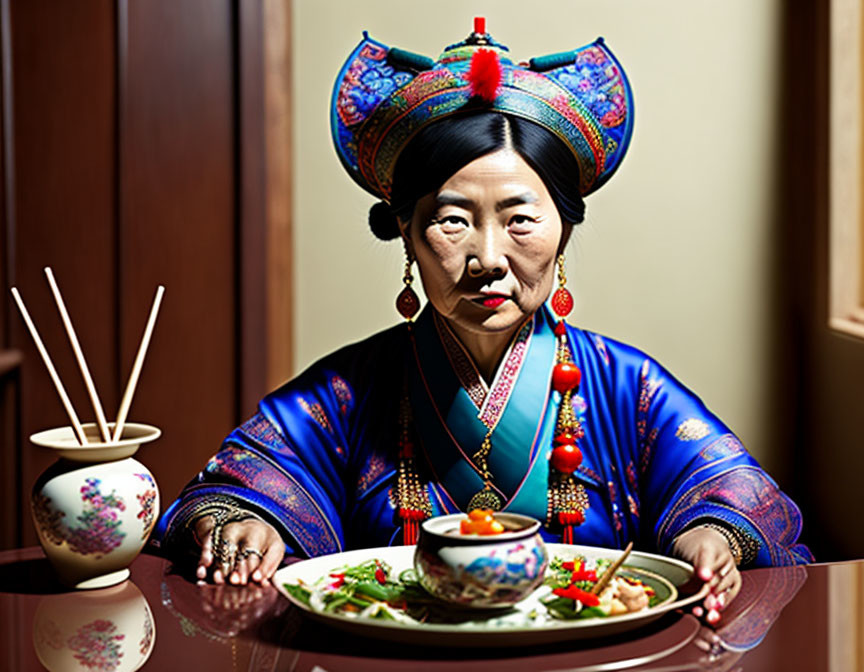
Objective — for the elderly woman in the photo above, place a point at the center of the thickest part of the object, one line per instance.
(488, 399)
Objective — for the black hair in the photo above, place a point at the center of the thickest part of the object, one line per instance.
(443, 148)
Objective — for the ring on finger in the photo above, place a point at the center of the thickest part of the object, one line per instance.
(246, 551)
(226, 553)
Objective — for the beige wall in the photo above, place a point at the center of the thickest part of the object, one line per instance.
(675, 254)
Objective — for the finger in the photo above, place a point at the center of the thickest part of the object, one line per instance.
(230, 543)
(272, 557)
(705, 563)
(733, 589)
(252, 563)
(240, 573)
(206, 552)
(724, 585)
(254, 539)
(727, 567)
(218, 578)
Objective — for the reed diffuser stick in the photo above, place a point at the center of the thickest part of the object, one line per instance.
(136, 368)
(79, 356)
(67, 404)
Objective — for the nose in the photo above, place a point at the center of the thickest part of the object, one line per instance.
(488, 256)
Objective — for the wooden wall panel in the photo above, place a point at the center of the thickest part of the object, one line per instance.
(63, 81)
(135, 153)
(177, 219)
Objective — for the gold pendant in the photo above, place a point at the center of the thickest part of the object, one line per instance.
(485, 499)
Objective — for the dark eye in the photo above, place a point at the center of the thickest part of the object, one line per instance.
(521, 223)
(451, 223)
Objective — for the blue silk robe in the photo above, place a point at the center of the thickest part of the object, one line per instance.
(318, 460)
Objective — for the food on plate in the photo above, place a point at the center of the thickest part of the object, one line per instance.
(371, 590)
(574, 594)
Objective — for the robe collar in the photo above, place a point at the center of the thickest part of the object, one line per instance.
(454, 408)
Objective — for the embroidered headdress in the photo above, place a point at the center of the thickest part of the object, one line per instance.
(384, 95)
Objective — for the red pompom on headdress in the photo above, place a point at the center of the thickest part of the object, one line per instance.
(485, 74)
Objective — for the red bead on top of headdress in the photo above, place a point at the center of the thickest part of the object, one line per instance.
(485, 74)
(480, 25)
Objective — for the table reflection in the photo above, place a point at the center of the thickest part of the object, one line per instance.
(107, 629)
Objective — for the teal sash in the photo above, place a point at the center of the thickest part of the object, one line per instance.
(518, 405)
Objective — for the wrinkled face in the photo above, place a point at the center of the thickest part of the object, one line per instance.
(486, 243)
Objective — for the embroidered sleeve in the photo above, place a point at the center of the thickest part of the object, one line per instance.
(694, 470)
(286, 463)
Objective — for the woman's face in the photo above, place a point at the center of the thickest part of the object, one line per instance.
(486, 243)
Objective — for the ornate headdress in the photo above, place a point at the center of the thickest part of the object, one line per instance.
(384, 95)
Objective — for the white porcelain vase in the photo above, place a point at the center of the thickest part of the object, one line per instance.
(95, 507)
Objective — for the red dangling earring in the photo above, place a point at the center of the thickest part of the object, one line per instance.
(407, 303)
(562, 299)
(567, 499)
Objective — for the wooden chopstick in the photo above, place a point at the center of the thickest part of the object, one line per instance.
(79, 355)
(610, 572)
(136, 368)
(67, 404)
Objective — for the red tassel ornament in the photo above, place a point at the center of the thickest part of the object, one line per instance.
(485, 74)
(411, 499)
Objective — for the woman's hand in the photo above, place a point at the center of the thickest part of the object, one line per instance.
(254, 547)
(708, 551)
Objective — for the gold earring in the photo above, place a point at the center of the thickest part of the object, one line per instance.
(407, 303)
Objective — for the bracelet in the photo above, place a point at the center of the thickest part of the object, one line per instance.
(731, 539)
(224, 510)
(744, 547)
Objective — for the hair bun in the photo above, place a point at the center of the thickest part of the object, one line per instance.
(383, 222)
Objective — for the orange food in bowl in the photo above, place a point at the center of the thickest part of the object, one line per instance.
(480, 521)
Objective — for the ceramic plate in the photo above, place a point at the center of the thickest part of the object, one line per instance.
(526, 624)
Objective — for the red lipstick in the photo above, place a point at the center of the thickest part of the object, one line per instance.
(494, 301)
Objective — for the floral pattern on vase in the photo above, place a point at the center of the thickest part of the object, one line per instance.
(48, 519)
(96, 646)
(147, 502)
(147, 639)
(99, 533)
(48, 634)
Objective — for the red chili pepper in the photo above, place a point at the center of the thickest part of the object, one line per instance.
(584, 575)
(380, 576)
(574, 593)
(339, 580)
(579, 573)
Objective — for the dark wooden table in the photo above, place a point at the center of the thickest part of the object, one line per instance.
(801, 618)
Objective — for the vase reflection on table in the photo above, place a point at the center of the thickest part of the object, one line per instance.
(94, 508)
(107, 629)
